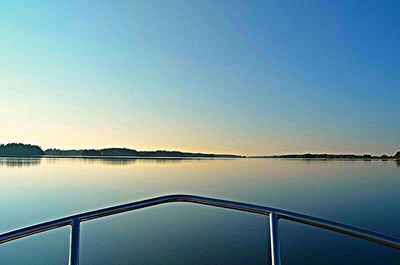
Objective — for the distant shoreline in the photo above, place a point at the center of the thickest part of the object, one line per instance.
(27, 150)
(332, 157)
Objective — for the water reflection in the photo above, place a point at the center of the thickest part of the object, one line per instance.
(317, 161)
(124, 161)
(116, 161)
(127, 161)
(120, 161)
(19, 161)
(346, 191)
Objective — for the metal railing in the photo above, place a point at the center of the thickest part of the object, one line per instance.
(274, 216)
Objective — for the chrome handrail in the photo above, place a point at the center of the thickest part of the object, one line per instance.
(273, 213)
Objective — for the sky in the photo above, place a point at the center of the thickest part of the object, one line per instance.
(242, 77)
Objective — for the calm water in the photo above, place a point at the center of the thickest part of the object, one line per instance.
(360, 193)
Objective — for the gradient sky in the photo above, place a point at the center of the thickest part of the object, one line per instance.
(247, 77)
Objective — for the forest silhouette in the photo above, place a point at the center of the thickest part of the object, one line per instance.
(19, 149)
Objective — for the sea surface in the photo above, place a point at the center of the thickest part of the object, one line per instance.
(360, 193)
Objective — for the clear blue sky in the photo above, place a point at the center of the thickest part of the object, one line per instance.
(249, 77)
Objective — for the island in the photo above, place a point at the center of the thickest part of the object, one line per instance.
(20, 149)
(125, 152)
(333, 156)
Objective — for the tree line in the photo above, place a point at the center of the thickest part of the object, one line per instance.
(19, 149)
(16, 149)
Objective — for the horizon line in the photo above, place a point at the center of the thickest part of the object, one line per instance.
(199, 152)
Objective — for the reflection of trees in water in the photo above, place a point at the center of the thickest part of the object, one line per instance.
(20, 161)
(121, 161)
(108, 161)
(366, 161)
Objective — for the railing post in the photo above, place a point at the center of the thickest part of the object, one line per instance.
(274, 237)
(74, 243)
